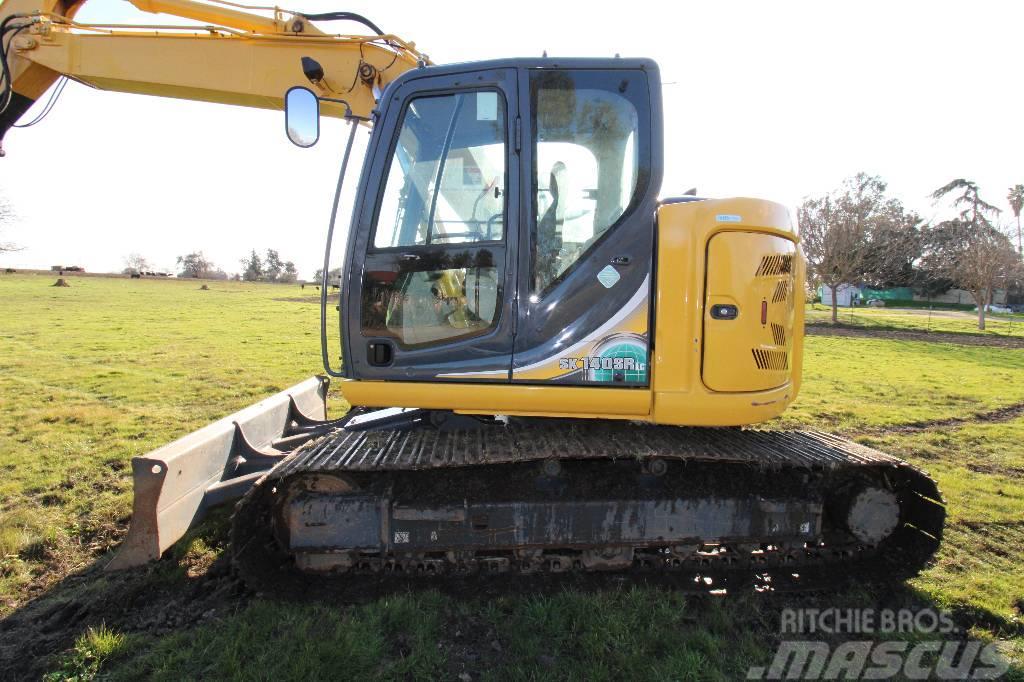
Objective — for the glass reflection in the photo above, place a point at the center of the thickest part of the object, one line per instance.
(302, 117)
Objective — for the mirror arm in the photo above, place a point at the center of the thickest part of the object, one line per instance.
(349, 116)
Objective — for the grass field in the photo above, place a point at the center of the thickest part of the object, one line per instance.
(110, 368)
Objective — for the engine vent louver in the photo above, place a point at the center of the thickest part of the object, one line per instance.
(776, 360)
(773, 266)
(778, 334)
(781, 291)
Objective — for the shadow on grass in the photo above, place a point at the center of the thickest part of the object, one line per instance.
(179, 591)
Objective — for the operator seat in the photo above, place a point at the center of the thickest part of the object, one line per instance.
(549, 229)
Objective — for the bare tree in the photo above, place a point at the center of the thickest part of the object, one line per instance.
(1016, 199)
(970, 249)
(854, 233)
(135, 264)
(894, 247)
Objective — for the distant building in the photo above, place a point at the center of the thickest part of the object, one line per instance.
(851, 295)
(962, 297)
(846, 295)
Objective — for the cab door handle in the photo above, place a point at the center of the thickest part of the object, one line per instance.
(409, 257)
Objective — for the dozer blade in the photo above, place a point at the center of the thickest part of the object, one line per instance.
(176, 484)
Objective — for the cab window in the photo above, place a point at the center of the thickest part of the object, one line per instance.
(436, 263)
(586, 161)
(447, 176)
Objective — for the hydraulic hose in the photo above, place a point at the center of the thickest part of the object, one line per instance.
(345, 16)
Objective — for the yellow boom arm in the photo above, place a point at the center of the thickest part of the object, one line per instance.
(237, 58)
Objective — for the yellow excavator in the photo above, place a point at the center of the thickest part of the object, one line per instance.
(550, 364)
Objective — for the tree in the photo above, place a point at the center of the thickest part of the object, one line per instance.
(333, 275)
(268, 269)
(290, 273)
(894, 247)
(272, 266)
(856, 233)
(970, 249)
(194, 265)
(972, 207)
(252, 268)
(1016, 199)
(136, 264)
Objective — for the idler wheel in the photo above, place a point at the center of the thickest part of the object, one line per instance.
(872, 514)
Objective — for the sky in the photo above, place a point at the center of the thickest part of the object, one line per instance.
(778, 100)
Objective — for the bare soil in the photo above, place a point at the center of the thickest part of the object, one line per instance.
(1001, 414)
(132, 601)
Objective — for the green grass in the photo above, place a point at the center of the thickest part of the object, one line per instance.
(110, 368)
(920, 319)
(97, 647)
(568, 635)
(107, 369)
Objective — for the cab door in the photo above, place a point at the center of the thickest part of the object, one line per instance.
(430, 274)
(592, 160)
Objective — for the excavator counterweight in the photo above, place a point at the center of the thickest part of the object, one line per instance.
(553, 366)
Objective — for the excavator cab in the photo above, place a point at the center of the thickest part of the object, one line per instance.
(507, 233)
(504, 224)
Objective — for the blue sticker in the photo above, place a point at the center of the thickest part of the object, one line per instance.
(728, 218)
(609, 276)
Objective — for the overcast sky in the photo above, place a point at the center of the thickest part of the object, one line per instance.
(774, 100)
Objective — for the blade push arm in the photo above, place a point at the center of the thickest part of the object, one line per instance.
(239, 58)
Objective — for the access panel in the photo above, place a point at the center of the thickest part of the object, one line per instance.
(748, 312)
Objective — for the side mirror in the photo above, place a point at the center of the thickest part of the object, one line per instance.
(302, 116)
